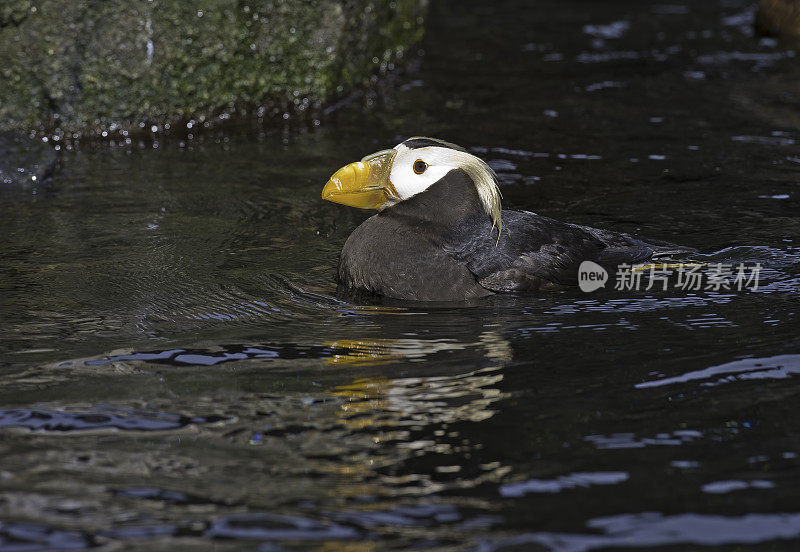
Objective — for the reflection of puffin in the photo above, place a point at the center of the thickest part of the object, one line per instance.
(440, 234)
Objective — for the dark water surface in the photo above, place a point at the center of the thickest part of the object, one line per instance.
(179, 370)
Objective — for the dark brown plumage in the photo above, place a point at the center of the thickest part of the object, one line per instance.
(439, 245)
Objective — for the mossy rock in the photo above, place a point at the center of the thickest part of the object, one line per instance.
(84, 66)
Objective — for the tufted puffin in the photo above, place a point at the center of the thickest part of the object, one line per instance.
(440, 233)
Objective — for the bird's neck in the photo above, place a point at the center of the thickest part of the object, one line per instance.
(444, 207)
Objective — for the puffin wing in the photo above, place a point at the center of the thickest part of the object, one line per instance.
(532, 253)
(536, 252)
(620, 241)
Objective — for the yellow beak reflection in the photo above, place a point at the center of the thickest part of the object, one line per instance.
(364, 184)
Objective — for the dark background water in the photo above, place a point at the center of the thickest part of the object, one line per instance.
(179, 369)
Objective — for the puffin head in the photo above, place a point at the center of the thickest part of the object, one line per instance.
(388, 177)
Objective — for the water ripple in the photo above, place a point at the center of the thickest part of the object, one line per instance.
(265, 526)
(629, 440)
(724, 487)
(655, 529)
(571, 481)
(32, 537)
(62, 421)
(777, 367)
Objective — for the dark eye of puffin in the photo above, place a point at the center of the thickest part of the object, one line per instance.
(420, 166)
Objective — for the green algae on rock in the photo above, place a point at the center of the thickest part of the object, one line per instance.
(84, 67)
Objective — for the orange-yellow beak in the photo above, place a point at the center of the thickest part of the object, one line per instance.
(364, 184)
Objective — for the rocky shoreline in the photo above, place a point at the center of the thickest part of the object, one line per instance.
(92, 69)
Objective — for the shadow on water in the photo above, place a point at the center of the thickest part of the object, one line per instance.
(179, 369)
